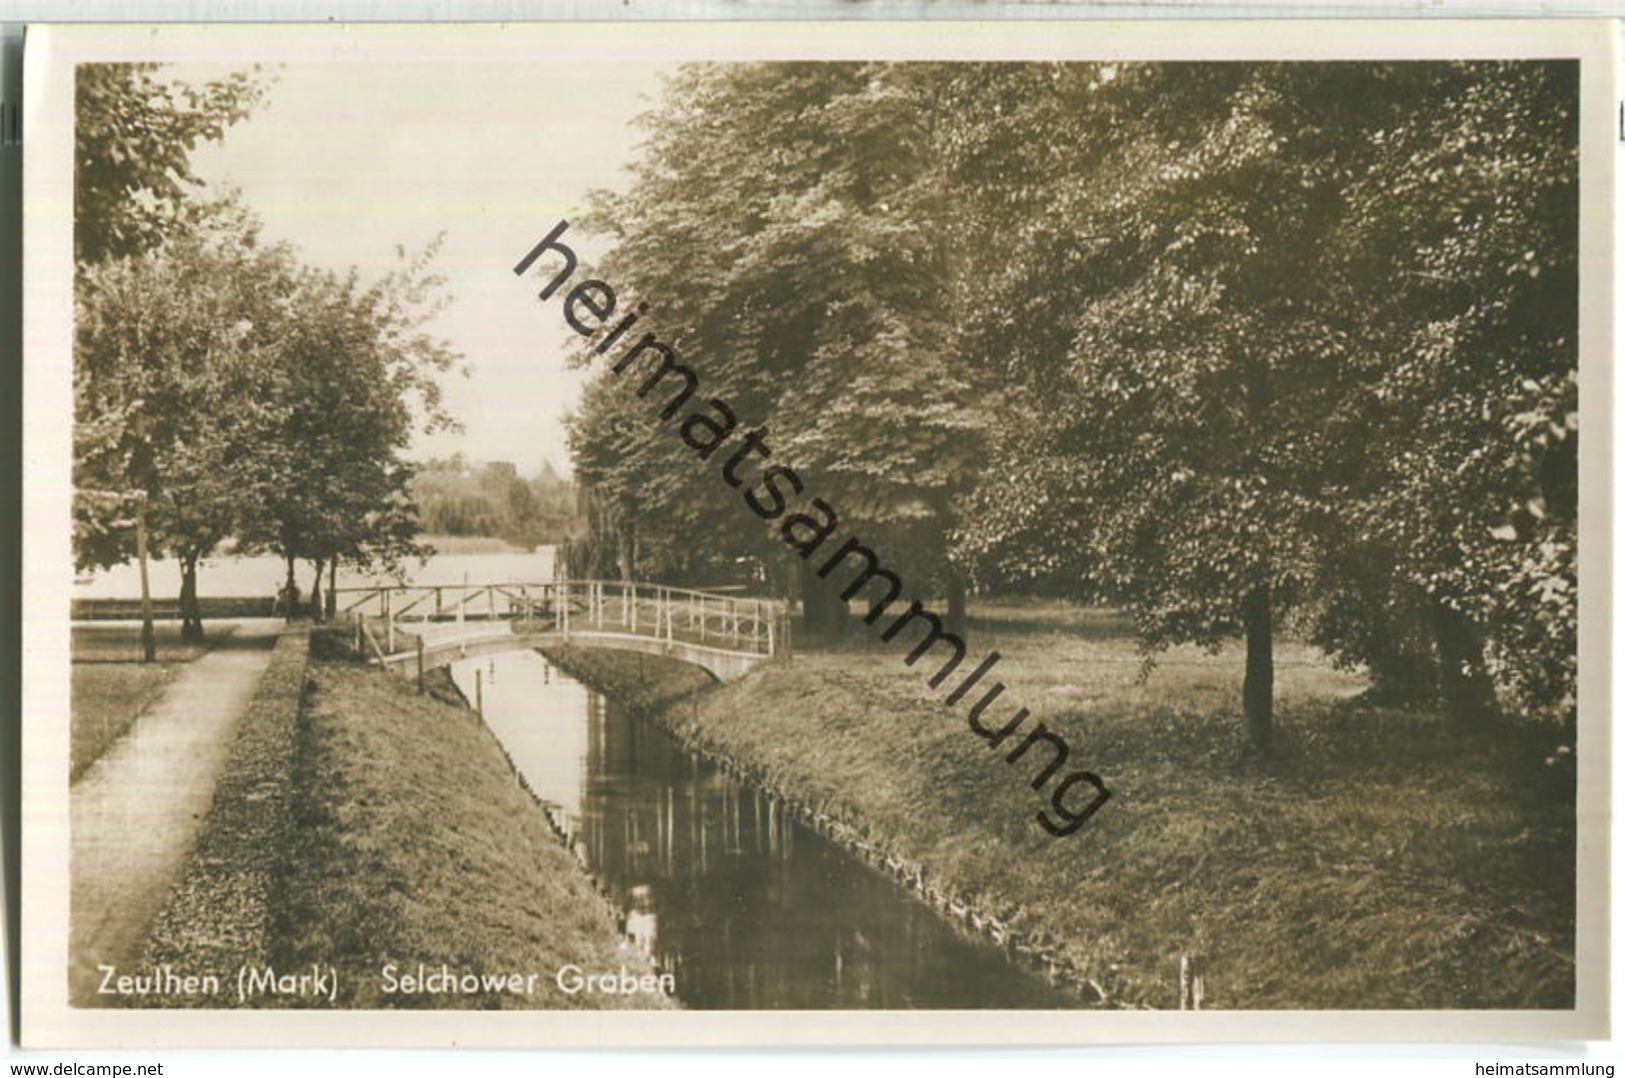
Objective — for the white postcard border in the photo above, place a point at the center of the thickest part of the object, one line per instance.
(53, 51)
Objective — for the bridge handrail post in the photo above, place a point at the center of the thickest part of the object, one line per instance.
(420, 665)
(372, 645)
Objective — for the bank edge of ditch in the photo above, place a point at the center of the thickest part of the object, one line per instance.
(1380, 860)
(360, 824)
(218, 916)
(674, 694)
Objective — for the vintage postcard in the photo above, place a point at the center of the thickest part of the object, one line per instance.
(941, 533)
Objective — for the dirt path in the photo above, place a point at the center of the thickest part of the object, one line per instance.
(137, 810)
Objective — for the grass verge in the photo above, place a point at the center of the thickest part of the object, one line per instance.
(112, 688)
(414, 842)
(107, 700)
(221, 914)
(644, 683)
(1379, 860)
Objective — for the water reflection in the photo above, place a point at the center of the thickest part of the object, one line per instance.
(747, 907)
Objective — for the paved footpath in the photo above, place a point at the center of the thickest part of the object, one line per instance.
(137, 810)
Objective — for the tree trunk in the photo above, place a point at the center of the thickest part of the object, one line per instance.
(191, 615)
(332, 608)
(812, 606)
(290, 591)
(316, 592)
(957, 617)
(1464, 682)
(149, 633)
(625, 553)
(1258, 685)
(823, 612)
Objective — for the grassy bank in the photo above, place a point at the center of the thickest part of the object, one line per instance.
(222, 912)
(644, 683)
(413, 842)
(112, 687)
(1378, 861)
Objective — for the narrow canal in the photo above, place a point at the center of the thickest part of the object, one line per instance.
(748, 908)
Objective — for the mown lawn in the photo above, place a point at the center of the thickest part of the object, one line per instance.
(1379, 860)
(414, 842)
(120, 642)
(112, 687)
(107, 699)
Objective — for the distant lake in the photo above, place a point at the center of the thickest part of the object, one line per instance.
(263, 574)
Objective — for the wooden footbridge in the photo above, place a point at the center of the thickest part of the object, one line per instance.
(411, 628)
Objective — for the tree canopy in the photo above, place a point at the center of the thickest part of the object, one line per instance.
(222, 388)
(459, 497)
(134, 134)
(1231, 345)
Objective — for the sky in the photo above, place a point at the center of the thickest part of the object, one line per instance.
(347, 160)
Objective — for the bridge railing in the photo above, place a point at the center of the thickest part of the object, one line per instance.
(755, 626)
(395, 616)
(444, 602)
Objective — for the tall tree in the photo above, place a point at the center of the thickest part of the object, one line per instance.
(134, 135)
(1178, 424)
(356, 374)
(1274, 331)
(171, 349)
(1222, 343)
(1461, 246)
(133, 191)
(779, 225)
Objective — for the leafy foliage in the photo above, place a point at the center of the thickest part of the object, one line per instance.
(355, 371)
(814, 303)
(456, 497)
(1373, 256)
(133, 181)
(1221, 343)
(221, 388)
(170, 347)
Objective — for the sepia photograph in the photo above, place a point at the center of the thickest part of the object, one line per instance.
(1039, 525)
